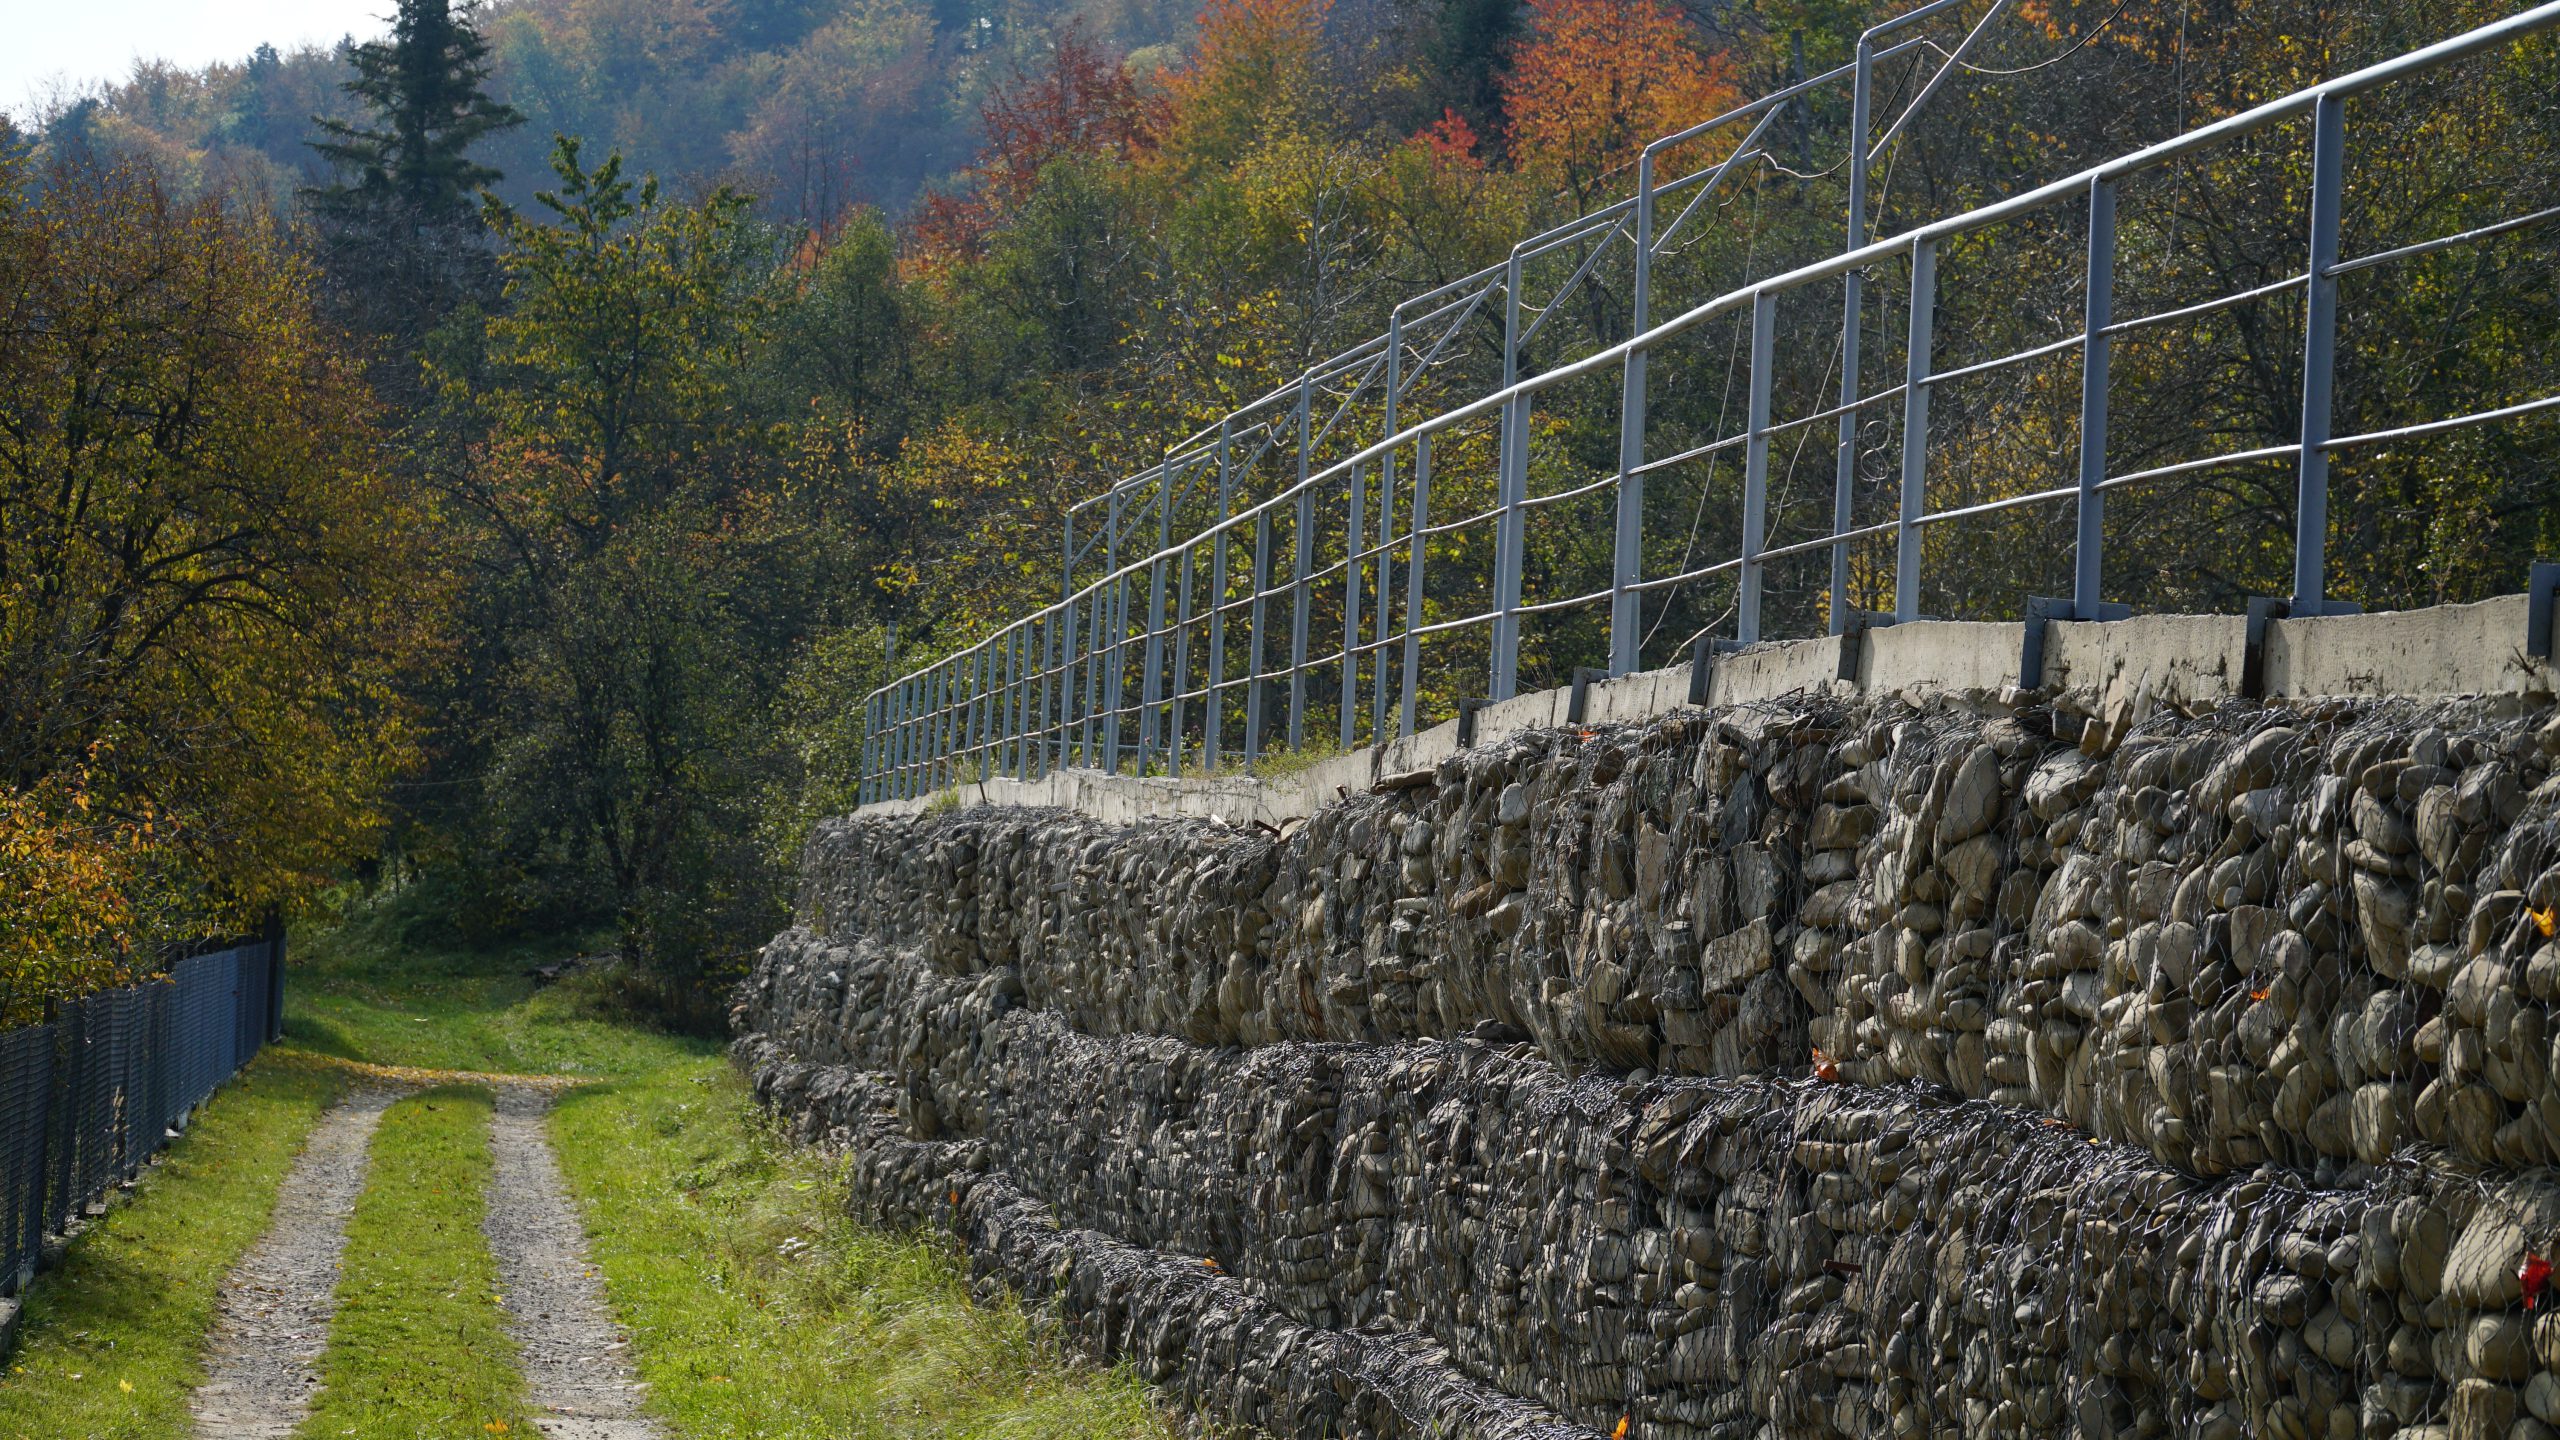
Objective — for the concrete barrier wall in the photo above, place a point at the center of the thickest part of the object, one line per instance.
(2121, 670)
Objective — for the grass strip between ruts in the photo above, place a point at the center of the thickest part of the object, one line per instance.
(419, 1349)
(760, 1311)
(113, 1341)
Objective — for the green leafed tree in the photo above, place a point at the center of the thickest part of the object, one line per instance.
(604, 454)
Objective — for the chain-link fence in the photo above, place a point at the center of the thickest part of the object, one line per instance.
(95, 1091)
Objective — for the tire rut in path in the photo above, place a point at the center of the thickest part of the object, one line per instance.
(575, 1359)
(272, 1318)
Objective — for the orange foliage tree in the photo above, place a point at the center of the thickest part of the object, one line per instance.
(1082, 102)
(1599, 79)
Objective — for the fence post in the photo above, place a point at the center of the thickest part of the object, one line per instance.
(1755, 468)
(1181, 661)
(901, 704)
(1063, 633)
(2319, 358)
(32, 1195)
(1115, 674)
(1253, 664)
(1348, 704)
(928, 719)
(938, 731)
(994, 735)
(1626, 603)
(1301, 564)
(920, 725)
(1514, 462)
(275, 976)
(1915, 431)
(2088, 551)
(937, 694)
(964, 713)
(1095, 697)
(1024, 662)
(1413, 579)
(1386, 526)
(1213, 722)
(883, 708)
(71, 1035)
(1038, 639)
(1853, 283)
(1151, 679)
(978, 720)
(905, 787)
(870, 750)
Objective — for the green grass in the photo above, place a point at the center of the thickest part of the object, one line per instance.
(369, 989)
(758, 1309)
(112, 1340)
(419, 1349)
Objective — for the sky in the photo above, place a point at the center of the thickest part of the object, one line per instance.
(80, 42)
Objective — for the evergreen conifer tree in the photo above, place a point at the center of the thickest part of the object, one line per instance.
(402, 220)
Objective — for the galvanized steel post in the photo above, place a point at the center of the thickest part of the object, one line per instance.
(1413, 579)
(1755, 466)
(1151, 683)
(1214, 723)
(1253, 665)
(1844, 461)
(1301, 564)
(1508, 536)
(1348, 703)
(1915, 431)
(2319, 358)
(1386, 527)
(1626, 603)
(2099, 313)
(1181, 664)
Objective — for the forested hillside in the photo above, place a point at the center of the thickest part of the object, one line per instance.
(811, 106)
(538, 544)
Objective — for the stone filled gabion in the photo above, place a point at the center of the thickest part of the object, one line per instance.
(1819, 1068)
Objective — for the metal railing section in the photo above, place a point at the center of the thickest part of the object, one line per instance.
(1052, 689)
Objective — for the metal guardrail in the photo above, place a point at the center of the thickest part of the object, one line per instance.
(90, 1095)
(1052, 689)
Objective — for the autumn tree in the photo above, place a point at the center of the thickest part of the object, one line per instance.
(1600, 78)
(1254, 72)
(1081, 102)
(209, 585)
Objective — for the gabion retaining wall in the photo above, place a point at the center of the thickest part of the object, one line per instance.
(1851, 1068)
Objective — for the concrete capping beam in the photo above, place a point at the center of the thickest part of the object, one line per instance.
(1939, 657)
(2441, 650)
(2181, 658)
(2131, 664)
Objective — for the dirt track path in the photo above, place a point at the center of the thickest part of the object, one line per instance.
(273, 1317)
(574, 1357)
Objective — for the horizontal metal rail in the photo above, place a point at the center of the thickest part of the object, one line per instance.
(1060, 686)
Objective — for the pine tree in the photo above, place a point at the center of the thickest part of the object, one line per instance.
(402, 221)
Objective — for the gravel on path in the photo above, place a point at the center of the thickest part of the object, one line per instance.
(575, 1359)
(272, 1320)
